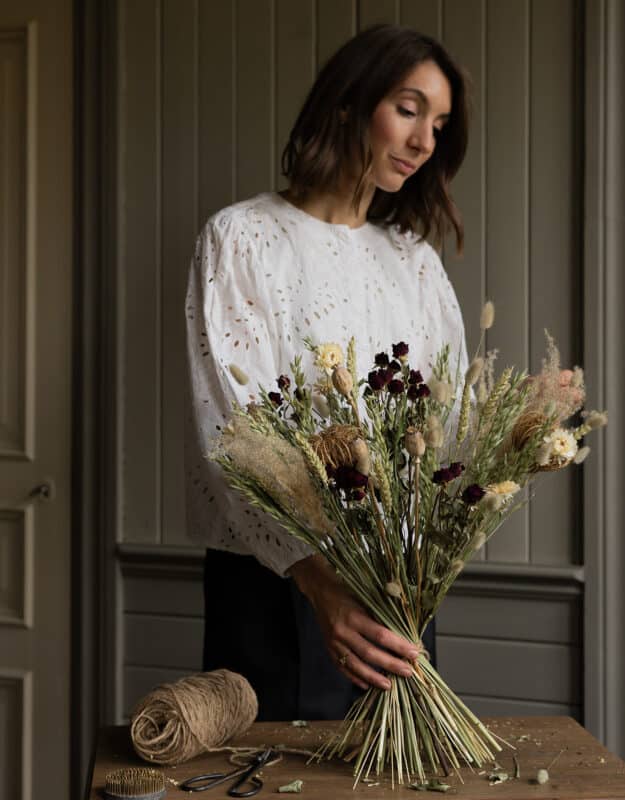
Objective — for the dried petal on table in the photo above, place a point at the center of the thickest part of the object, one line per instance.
(295, 787)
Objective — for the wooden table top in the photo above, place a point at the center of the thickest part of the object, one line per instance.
(584, 768)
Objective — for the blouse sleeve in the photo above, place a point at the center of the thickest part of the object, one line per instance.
(229, 320)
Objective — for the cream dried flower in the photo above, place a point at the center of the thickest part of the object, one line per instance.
(559, 447)
(328, 356)
(497, 494)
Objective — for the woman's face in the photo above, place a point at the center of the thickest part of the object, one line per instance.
(405, 124)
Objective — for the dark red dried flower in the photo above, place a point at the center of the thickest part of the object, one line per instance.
(276, 398)
(446, 474)
(379, 379)
(400, 350)
(284, 382)
(358, 494)
(394, 367)
(415, 392)
(415, 377)
(381, 360)
(442, 475)
(456, 468)
(473, 494)
(349, 478)
(396, 386)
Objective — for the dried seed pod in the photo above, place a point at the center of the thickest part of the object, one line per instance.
(343, 381)
(414, 442)
(360, 455)
(393, 588)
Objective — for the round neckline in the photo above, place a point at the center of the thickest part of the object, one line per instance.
(339, 227)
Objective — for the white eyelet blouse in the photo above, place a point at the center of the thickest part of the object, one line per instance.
(264, 275)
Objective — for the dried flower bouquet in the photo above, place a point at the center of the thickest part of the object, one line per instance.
(398, 482)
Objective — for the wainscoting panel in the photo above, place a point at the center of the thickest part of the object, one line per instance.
(505, 651)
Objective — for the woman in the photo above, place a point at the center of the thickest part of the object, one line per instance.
(342, 252)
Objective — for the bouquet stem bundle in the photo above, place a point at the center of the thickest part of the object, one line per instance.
(398, 489)
(419, 726)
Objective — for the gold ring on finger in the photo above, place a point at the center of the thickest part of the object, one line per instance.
(343, 659)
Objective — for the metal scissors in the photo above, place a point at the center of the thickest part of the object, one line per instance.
(244, 774)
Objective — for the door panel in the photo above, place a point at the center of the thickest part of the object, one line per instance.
(35, 397)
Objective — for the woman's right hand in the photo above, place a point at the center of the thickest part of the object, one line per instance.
(356, 643)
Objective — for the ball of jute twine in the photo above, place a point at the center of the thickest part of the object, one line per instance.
(196, 714)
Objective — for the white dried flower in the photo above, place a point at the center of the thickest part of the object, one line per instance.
(559, 446)
(238, 374)
(487, 317)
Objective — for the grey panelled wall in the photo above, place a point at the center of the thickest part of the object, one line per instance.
(206, 93)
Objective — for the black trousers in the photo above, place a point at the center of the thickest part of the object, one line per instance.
(262, 626)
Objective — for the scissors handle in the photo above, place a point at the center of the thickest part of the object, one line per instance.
(257, 785)
(202, 782)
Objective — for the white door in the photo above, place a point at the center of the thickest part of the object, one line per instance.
(35, 396)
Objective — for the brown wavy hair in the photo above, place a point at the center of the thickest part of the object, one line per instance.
(356, 78)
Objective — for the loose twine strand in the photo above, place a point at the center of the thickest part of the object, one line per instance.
(197, 714)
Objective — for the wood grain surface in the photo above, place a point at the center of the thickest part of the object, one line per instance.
(583, 767)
